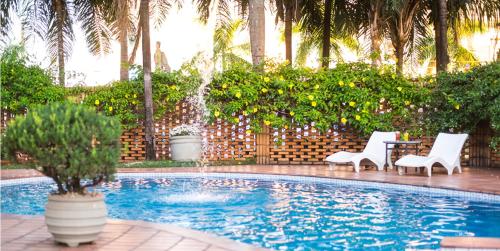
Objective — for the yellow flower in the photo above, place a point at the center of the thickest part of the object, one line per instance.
(343, 120)
(267, 122)
(236, 120)
(431, 80)
(286, 127)
(341, 83)
(255, 109)
(264, 90)
(110, 108)
(216, 114)
(282, 78)
(367, 103)
(358, 117)
(292, 113)
(457, 107)
(407, 102)
(290, 86)
(134, 102)
(224, 86)
(135, 95)
(351, 84)
(280, 91)
(96, 102)
(238, 95)
(316, 87)
(314, 103)
(310, 97)
(173, 87)
(363, 79)
(352, 103)
(400, 88)
(393, 76)
(248, 131)
(266, 79)
(126, 95)
(245, 113)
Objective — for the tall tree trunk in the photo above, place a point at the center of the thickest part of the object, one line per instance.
(442, 58)
(256, 17)
(288, 30)
(376, 31)
(124, 53)
(327, 22)
(400, 55)
(131, 59)
(60, 40)
(148, 92)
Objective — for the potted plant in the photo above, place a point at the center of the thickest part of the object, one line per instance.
(78, 148)
(186, 142)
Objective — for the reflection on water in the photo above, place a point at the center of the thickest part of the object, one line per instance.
(286, 215)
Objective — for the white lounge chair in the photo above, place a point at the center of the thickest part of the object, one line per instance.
(374, 151)
(445, 151)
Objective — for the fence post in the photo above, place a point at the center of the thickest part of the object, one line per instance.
(263, 146)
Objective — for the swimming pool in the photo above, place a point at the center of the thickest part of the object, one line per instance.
(287, 213)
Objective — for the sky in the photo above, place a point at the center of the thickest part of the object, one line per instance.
(182, 36)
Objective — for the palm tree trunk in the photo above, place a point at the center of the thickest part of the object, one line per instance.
(327, 20)
(148, 92)
(399, 51)
(60, 41)
(375, 31)
(288, 30)
(441, 29)
(123, 53)
(131, 59)
(256, 17)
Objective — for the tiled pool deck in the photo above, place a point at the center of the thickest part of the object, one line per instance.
(29, 233)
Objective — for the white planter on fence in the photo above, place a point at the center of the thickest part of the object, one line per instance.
(185, 148)
(75, 218)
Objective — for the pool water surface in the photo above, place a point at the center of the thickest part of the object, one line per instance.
(285, 214)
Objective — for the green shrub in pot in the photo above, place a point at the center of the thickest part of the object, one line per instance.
(78, 148)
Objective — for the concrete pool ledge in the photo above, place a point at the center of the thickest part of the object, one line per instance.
(21, 232)
(470, 243)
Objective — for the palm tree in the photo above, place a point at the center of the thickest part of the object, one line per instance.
(148, 91)
(310, 42)
(257, 27)
(53, 22)
(288, 12)
(225, 52)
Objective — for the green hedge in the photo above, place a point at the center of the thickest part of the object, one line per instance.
(25, 85)
(461, 100)
(354, 94)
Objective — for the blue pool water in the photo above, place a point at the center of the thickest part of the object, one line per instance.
(285, 214)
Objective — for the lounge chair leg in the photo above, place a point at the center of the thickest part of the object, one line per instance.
(429, 171)
(450, 171)
(356, 167)
(331, 166)
(459, 168)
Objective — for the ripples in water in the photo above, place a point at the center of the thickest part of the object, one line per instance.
(286, 215)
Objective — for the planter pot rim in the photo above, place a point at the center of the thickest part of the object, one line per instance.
(76, 197)
(186, 136)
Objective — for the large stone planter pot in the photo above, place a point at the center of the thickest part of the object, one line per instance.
(75, 218)
(185, 148)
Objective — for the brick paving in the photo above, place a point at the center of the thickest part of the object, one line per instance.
(30, 233)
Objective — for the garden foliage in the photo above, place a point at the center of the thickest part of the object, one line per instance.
(357, 95)
(25, 85)
(70, 142)
(125, 99)
(462, 100)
